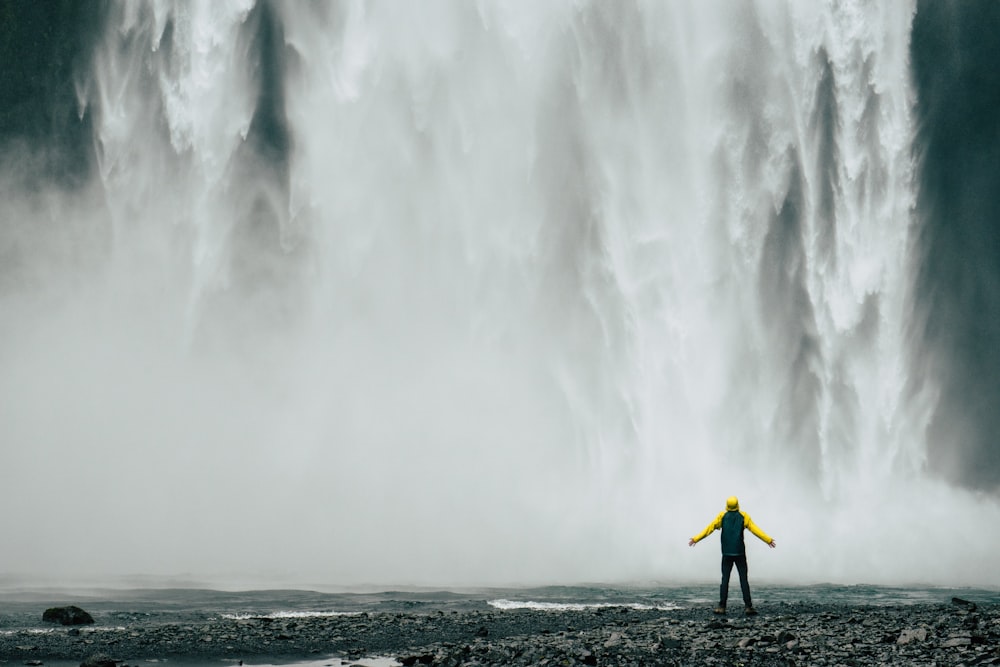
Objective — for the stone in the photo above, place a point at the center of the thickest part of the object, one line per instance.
(911, 635)
(956, 641)
(801, 635)
(784, 637)
(98, 660)
(70, 615)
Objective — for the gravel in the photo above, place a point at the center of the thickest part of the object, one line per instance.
(950, 633)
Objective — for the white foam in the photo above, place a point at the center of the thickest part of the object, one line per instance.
(290, 614)
(577, 606)
(30, 631)
(48, 631)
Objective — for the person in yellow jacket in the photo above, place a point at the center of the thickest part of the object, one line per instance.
(732, 522)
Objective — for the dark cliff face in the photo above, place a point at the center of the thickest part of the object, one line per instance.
(44, 51)
(955, 56)
(50, 111)
(46, 105)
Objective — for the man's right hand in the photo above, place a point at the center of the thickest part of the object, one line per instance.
(691, 542)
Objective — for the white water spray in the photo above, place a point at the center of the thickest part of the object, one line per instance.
(537, 288)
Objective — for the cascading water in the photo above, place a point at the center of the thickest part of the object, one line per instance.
(473, 292)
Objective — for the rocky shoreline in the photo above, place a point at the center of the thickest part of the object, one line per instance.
(954, 632)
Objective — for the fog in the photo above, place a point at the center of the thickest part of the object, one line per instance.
(469, 294)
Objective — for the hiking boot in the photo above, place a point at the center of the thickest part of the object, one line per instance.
(750, 611)
(719, 610)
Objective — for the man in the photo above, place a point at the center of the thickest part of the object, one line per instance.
(732, 522)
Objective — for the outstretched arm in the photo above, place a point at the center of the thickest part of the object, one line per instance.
(715, 525)
(764, 537)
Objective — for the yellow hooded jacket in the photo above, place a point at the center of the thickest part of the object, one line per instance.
(717, 524)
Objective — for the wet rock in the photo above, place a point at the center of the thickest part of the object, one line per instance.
(956, 641)
(911, 635)
(784, 637)
(98, 660)
(799, 633)
(70, 615)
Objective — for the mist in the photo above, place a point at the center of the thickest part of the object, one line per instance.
(470, 294)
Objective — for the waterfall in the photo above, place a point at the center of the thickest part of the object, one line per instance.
(491, 292)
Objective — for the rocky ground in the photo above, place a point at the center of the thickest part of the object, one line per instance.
(950, 633)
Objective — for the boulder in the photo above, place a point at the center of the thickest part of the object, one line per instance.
(99, 660)
(70, 615)
(964, 604)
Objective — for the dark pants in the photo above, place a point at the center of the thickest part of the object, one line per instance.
(727, 568)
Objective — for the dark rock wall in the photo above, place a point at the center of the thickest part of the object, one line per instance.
(955, 57)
